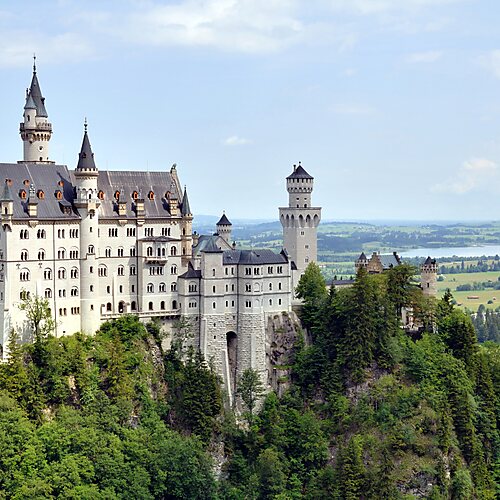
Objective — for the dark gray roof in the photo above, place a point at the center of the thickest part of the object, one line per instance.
(224, 221)
(262, 256)
(191, 272)
(211, 247)
(390, 260)
(159, 239)
(341, 282)
(86, 157)
(185, 208)
(204, 240)
(30, 103)
(299, 173)
(110, 181)
(36, 93)
(429, 261)
(6, 194)
(47, 178)
(362, 256)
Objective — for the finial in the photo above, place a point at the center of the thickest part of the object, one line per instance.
(85, 124)
(300, 163)
(34, 62)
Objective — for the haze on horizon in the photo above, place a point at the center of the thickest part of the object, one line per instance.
(393, 107)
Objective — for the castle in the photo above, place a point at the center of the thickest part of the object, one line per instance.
(99, 244)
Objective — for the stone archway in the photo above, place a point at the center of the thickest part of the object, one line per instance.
(232, 357)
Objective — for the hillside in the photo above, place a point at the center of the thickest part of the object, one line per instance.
(371, 411)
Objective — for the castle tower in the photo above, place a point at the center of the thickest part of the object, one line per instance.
(362, 261)
(428, 277)
(87, 202)
(186, 229)
(224, 228)
(300, 220)
(35, 130)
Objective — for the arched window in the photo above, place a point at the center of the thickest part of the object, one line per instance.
(24, 234)
(73, 253)
(173, 250)
(150, 306)
(74, 292)
(121, 270)
(162, 287)
(100, 195)
(74, 272)
(48, 293)
(108, 306)
(173, 270)
(41, 254)
(173, 287)
(149, 251)
(193, 287)
(61, 253)
(107, 252)
(90, 249)
(40, 234)
(24, 275)
(47, 273)
(24, 254)
(162, 305)
(133, 305)
(61, 273)
(174, 304)
(151, 195)
(120, 252)
(102, 271)
(150, 288)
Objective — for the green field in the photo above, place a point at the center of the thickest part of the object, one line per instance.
(464, 299)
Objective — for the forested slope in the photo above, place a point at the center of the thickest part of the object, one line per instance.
(372, 412)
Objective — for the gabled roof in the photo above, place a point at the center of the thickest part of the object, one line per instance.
(362, 256)
(211, 247)
(299, 173)
(204, 239)
(389, 261)
(185, 208)
(36, 93)
(224, 221)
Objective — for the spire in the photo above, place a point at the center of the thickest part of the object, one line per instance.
(6, 195)
(36, 94)
(30, 103)
(86, 157)
(185, 208)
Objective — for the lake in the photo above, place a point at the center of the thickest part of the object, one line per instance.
(440, 252)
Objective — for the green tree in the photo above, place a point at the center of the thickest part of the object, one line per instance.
(352, 470)
(250, 389)
(312, 290)
(38, 316)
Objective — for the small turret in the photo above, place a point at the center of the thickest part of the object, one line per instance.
(185, 208)
(428, 277)
(6, 201)
(224, 228)
(362, 261)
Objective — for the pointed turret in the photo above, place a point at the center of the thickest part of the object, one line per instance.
(86, 156)
(35, 130)
(224, 228)
(32, 204)
(185, 208)
(6, 202)
(6, 193)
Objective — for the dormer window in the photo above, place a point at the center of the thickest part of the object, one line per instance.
(135, 195)
(100, 195)
(60, 183)
(167, 195)
(151, 195)
(22, 194)
(40, 194)
(26, 182)
(58, 194)
(117, 195)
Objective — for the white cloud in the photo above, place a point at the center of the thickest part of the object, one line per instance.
(235, 140)
(16, 48)
(429, 56)
(473, 174)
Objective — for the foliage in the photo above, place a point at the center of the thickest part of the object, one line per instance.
(250, 389)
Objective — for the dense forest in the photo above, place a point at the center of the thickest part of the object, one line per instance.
(371, 412)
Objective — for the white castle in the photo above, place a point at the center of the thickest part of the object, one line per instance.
(99, 244)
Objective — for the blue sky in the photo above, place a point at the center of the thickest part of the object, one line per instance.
(392, 105)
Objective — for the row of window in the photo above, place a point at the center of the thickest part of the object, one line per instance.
(64, 312)
(256, 270)
(162, 287)
(42, 234)
(108, 307)
(248, 303)
(61, 254)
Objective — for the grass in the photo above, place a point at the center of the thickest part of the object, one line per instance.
(451, 281)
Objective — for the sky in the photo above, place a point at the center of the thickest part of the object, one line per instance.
(392, 105)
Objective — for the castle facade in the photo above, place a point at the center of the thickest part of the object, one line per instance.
(98, 244)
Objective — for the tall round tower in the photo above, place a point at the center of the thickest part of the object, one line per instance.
(87, 202)
(300, 220)
(35, 130)
(428, 277)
